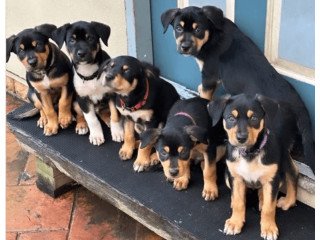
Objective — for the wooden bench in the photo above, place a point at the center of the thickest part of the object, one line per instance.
(67, 158)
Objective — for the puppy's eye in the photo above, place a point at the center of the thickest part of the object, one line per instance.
(184, 153)
(179, 29)
(254, 119)
(72, 40)
(21, 51)
(231, 119)
(90, 38)
(197, 30)
(164, 154)
(39, 45)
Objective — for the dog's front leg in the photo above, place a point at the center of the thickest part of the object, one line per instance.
(65, 102)
(182, 181)
(128, 146)
(269, 229)
(143, 160)
(116, 125)
(234, 224)
(52, 125)
(96, 134)
(210, 187)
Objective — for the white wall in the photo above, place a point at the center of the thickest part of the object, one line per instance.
(21, 14)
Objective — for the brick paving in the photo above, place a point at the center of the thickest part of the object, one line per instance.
(76, 215)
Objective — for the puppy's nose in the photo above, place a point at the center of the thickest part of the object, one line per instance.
(32, 61)
(242, 137)
(81, 53)
(185, 46)
(174, 171)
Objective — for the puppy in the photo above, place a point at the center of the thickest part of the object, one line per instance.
(261, 135)
(82, 40)
(224, 54)
(142, 97)
(49, 75)
(187, 130)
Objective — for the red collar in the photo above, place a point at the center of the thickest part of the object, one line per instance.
(139, 104)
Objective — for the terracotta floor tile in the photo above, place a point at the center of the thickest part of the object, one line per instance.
(16, 162)
(93, 218)
(11, 236)
(29, 209)
(144, 233)
(29, 175)
(52, 235)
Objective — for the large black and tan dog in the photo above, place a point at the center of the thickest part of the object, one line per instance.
(261, 136)
(142, 97)
(49, 75)
(188, 130)
(82, 40)
(224, 54)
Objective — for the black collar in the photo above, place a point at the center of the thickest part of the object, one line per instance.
(93, 76)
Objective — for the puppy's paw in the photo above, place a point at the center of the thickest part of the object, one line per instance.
(42, 122)
(141, 163)
(65, 120)
(117, 132)
(180, 183)
(233, 226)
(285, 203)
(51, 129)
(96, 138)
(269, 230)
(210, 191)
(154, 160)
(82, 128)
(126, 152)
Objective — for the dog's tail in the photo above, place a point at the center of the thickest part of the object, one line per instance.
(30, 113)
(305, 129)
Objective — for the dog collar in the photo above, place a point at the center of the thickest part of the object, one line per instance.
(93, 76)
(186, 115)
(139, 104)
(243, 152)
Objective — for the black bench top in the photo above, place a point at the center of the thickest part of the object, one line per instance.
(147, 196)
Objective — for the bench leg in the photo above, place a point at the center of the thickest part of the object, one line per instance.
(50, 180)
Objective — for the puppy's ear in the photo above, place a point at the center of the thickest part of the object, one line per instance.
(167, 18)
(59, 35)
(215, 15)
(103, 31)
(46, 29)
(9, 45)
(216, 108)
(149, 137)
(269, 106)
(197, 134)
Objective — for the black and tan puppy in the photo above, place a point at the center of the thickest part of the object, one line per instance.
(142, 97)
(82, 40)
(261, 135)
(224, 54)
(187, 131)
(49, 75)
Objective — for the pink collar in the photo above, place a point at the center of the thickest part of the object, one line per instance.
(186, 115)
